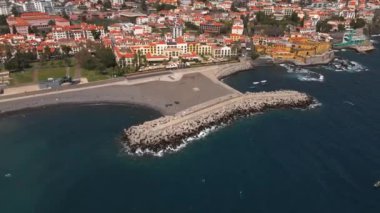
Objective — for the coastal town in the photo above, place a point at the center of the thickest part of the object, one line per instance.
(52, 43)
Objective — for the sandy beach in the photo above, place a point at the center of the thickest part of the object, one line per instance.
(167, 97)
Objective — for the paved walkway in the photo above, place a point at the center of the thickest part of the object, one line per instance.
(164, 76)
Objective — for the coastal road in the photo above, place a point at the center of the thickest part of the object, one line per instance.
(208, 71)
(167, 91)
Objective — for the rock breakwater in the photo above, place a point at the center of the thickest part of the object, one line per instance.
(169, 132)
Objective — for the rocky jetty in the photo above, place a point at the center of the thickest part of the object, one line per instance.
(169, 132)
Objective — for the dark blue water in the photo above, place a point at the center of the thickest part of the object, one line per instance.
(67, 159)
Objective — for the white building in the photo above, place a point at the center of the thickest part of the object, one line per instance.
(117, 2)
(177, 31)
(221, 52)
(44, 6)
(185, 2)
(142, 20)
(77, 32)
(4, 7)
(138, 30)
(237, 29)
(5, 10)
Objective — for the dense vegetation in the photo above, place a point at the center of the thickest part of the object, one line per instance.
(267, 24)
(99, 58)
(160, 7)
(4, 29)
(191, 26)
(19, 61)
(323, 26)
(357, 23)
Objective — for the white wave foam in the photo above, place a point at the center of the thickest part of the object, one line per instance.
(139, 152)
(201, 134)
(303, 74)
(315, 104)
(349, 103)
(344, 65)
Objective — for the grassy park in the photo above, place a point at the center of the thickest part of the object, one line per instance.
(54, 69)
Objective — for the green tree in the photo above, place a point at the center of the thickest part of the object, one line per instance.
(144, 7)
(34, 30)
(102, 58)
(15, 12)
(4, 51)
(260, 16)
(358, 23)
(226, 28)
(294, 17)
(341, 28)
(245, 24)
(64, 14)
(96, 34)
(46, 55)
(233, 8)
(323, 27)
(85, 59)
(107, 4)
(105, 57)
(20, 61)
(66, 50)
(160, 7)
(191, 26)
(51, 22)
(3, 20)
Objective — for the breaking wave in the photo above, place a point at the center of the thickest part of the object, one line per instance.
(170, 149)
(344, 65)
(315, 104)
(303, 74)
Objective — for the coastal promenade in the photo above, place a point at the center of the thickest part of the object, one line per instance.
(167, 91)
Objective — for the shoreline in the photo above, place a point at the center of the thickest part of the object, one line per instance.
(159, 92)
(358, 49)
(79, 104)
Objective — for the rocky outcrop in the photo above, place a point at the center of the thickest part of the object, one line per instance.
(170, 131)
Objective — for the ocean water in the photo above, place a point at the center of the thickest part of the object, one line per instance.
(326, 159)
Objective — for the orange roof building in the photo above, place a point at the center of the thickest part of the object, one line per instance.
(34, 19)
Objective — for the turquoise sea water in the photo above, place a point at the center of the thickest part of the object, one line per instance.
(67, 159)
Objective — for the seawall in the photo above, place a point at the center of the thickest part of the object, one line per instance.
(358, 48)
(168, 132)
(233, 68)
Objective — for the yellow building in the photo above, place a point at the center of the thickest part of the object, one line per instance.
(200, 49)
(298, 49)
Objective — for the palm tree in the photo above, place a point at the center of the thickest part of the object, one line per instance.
(66, 50)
